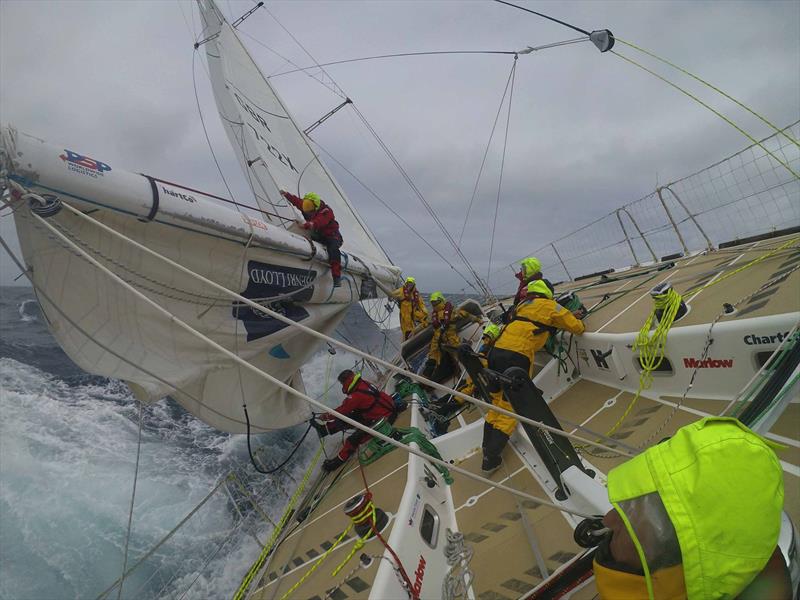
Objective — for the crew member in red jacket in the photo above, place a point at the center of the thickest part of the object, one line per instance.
(324, 228)
(366, 404)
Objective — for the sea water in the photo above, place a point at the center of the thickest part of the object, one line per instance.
(68, 444)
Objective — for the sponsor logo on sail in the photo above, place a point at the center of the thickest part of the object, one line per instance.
(419, 575)
(175, 194)
(282, 288)
(708, 363)
(757, 340)
(83, 165)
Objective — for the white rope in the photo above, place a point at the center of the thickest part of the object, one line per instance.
(133, 497)
(289, 389)
(282, 318)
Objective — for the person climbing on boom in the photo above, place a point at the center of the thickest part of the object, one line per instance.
(443, 320)
(530, 270)
(412, 309)
(365, 403)
(531, 323)
(320, 220)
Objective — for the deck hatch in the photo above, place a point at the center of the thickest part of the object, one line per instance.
(429, 526)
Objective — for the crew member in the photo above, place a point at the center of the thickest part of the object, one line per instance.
(448, 405)
(530, 270)
(412, 309)
(320, 220)
(366, 404)
(443, 319)
(531, 323)
(696, 516)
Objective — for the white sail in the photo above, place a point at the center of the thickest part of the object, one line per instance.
(273, 151)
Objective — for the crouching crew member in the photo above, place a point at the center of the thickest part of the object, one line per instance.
(366, 404)
(324, 228)
(531, 323)
(443, 320)
(412, 309)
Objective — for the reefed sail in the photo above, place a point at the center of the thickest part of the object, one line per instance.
(109, 331)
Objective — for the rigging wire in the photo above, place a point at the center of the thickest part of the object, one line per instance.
(481, 286)
(502, 166)
(578, 29)
(713, 87)
(395, 213)
(133, 497)
(397, 55)
(486, 152)
(707, 106)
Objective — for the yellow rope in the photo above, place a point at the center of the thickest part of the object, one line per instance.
(367, 513)
(713, 87)
(651, 347)
(276, 532)
(716, 112)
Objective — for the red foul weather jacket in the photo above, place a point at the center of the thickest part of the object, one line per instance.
(322, 221)
(366, 403)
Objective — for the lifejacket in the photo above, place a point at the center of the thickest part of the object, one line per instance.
(411, 295)
(324, 222)
(447, 313)
(378, 398)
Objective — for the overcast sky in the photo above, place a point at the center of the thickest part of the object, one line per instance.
(588, 131)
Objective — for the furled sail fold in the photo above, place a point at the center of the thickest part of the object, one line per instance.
(108, 331)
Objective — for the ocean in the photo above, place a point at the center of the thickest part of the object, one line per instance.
(68, 445)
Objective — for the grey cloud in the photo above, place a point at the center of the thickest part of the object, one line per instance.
(588, 131)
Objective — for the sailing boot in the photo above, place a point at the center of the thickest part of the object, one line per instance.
(494, 441)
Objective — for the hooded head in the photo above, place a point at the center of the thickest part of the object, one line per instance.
(410, 282)
(530, 266)
(348, 379)
(539, 288)
(704, 506)
(437, 297)
(311, 202)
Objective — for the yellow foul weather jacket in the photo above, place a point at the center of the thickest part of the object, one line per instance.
(524, 337)
(412, 309)
(444, 319)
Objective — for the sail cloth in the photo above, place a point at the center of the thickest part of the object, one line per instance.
(273, 151)
(108, 331)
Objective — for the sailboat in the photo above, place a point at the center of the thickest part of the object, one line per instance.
(182, 293)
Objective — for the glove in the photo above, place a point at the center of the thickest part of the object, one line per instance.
(321, 428)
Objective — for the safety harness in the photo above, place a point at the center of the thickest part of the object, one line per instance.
(447, 313)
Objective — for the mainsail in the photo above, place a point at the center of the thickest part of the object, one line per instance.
(273, 151)
(108, 331)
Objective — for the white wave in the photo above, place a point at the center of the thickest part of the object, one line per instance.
(29, 311)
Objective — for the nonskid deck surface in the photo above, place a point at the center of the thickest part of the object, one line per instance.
(600, 407)
(301, 549)
(503, 530)
(630, 303)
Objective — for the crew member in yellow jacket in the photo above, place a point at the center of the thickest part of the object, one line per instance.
(412, 309)
(530, 325)
(443, 320)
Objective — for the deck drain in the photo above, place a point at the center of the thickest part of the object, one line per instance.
(471, 501)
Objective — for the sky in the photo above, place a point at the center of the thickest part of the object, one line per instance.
(587, 131)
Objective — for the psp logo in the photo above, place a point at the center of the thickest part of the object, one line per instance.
(84, 165)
